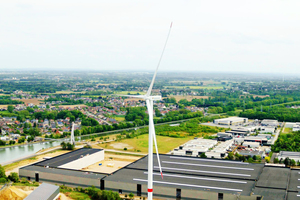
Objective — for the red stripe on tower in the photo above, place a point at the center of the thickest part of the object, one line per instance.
(150, 190)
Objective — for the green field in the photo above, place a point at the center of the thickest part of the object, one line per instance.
(195, 87)
(287, 130)
(119, 118)
(164, 144)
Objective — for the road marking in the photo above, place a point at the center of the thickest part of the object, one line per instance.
(201, 165)
(209, 172)
(190, 185)
(210, 160)
(200, 178)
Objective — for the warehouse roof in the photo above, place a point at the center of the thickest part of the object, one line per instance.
(202, 166)
(293, 196)
(294, 181)
(270, 194)
(43, 192)
(68, 157)
(66, 172)
(189, 182)
(274, 177)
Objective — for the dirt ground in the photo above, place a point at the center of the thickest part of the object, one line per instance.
(120, 146)
(111, 163)
(33, 101)
(3, 106)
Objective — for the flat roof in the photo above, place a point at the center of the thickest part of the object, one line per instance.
(274, 177)
(293, 196)
(66, 172)
(68, 157)
(43, 192)
(202, 166)
(188, 182)
(289, 154)
(294, 181)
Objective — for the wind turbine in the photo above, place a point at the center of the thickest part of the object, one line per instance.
(149, 102)
(72, 135)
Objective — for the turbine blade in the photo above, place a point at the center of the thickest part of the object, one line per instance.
(157, 154)
(134, 96)
(153, 79)
(154, 136)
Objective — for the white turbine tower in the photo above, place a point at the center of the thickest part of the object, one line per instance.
(72, 135)
(149, 102)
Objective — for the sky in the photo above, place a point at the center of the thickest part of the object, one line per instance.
(214, 36)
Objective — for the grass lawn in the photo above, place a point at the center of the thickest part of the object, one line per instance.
(5, 112)
(287, 130)
(164, 143)
(75, 195)
(119, 118)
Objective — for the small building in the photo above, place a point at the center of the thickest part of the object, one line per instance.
(44, 192)
(261, 140)
(195, 147)
(289, 154)
(251, 144)
(230, 121)
(251, 153)
(269, 122)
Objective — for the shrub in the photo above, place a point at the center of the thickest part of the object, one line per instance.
(3, 180)
(131, 195)
(14, 177)
(125, 149)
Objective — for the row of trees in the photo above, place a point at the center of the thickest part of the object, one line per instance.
(12, 177)
(67, 146)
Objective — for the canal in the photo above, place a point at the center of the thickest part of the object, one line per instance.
(16, 152)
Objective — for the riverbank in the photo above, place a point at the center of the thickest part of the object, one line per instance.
(24, 144)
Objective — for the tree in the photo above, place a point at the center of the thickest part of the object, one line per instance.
(14, 177)
(276, 160)
(2, 172)
(230, 156)
(157, 113)
(2, 143)
(131, 195)
(21, 140)
(11, 142)
(203, 155)
(10, 109)
(287, 161)
(63, 145)
(293, 162)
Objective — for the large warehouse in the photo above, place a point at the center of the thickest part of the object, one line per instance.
(184, 178)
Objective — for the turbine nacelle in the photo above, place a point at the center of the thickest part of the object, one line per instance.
(153, 98)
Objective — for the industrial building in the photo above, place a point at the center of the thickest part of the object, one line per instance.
(269, 122)
(289, 154)
(294, 126)
(230, 121)
(185, 177)
(195, 147)
(44, 192)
